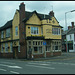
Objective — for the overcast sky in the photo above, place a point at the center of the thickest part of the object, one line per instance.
(8, 8)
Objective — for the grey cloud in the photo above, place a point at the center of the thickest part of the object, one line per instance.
(8, 8)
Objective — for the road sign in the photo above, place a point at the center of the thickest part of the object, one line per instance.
(44, 43)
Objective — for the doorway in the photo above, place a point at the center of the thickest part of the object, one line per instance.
(15, 52)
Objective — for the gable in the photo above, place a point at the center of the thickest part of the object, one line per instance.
(34, 19)
(54, 21)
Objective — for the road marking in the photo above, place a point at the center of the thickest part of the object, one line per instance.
(14, 72)
(11, 66)
(41, 66)
(72, 64)
(66, 63)
(44, 64)
(59, 63)
(7, 62)
(3, 69)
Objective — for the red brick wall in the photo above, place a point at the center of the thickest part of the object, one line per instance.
(6, 55)
(56, 53)
(38, 56)
(48, 54)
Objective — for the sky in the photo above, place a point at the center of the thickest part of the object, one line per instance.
(8, 8)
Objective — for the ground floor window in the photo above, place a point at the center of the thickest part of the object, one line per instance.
(2, 48)
(37, 49)
(11, 47)
(6, 47)
(47, 48)
(56, 45)
(70, 46)
(36, 46)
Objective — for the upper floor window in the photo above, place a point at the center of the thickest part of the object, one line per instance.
(34, 30)
(41, 30)
(16, 30)
(2, 34)
(56, 31)
(70, 37)
(8, 32)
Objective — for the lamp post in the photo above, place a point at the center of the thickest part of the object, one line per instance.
(66, 28)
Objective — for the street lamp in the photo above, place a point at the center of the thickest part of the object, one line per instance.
(66, 19)
(66, 27)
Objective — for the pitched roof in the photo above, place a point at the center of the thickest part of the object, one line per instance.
(41, 16)
(7, 25)
(71, 31)
(66, 32)
(28, 15)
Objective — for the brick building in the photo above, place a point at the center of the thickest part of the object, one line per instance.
(30, 33)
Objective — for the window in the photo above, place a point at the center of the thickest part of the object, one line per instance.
(6, 47)
(40, 49)
(70, 37)
(47, 48)
(2, 48)
(70, 46)
(56, 45)
(29, 42)
(16, 30)
(2, 34)
(59, 31)
(41, 30)
(8, 32)
(34, 30)
(11, 47)
(56, 31)
(37, 46)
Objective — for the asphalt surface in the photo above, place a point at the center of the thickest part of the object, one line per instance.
(64, 64)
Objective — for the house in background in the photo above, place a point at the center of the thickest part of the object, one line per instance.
(31, 33)
(68, 39)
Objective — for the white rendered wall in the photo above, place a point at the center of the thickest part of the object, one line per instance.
(72, 39)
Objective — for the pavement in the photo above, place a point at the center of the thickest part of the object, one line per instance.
(64, 56)
(64, 64)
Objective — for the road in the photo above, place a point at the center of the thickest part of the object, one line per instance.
(57, 65)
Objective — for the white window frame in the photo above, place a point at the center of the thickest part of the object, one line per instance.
(33, 31)
(16, 30)
(11, 47)
(42, 30)
(1, 48)
(56, 31)
(6, 47)
(2, 34)
(8, 32)
(41, 45)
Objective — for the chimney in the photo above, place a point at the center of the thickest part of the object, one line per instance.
(72, 24)
(22, 11)
(69, 27)
(51, 13)
(22, 31)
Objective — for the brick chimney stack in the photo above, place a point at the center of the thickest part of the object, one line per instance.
(51, 13)
(72, 24)
(22, 32)
(22, 11)
(69, 27)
